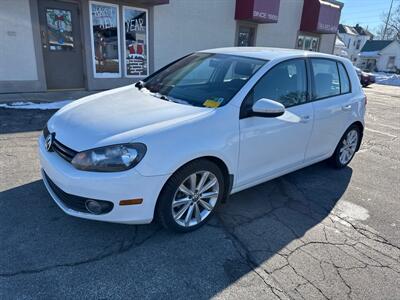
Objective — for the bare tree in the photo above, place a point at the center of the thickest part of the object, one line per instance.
(393, 26)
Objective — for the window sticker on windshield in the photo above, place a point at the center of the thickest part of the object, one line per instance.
(213, 103)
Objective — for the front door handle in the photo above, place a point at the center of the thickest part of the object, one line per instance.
(346, 107)
(305, 119)
(44, 43)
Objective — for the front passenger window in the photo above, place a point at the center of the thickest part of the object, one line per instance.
(285, 83)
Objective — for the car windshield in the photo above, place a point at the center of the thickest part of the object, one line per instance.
(202, 79)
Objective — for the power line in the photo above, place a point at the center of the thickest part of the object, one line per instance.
(362, 11)
(362, 16)
(366, 6)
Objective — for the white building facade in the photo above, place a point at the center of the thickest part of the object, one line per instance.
(94, 45)
(354, 39)
(340, 48)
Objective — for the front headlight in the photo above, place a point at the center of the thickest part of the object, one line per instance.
(113, 158)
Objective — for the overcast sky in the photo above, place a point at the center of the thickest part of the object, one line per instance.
(365, 12)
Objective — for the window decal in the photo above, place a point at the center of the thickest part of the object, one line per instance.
(59, 29)
(135, 41)
(104, 23)
(309, 43)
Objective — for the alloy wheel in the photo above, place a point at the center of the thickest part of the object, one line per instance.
(349, 146)
(195, 198)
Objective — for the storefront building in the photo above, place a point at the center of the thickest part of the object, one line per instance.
(95, 45)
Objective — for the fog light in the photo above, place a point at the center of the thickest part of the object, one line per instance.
(94, 206)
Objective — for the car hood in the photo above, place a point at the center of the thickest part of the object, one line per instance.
(117, 116)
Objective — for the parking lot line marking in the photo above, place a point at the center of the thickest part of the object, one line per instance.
(388, 126)
(384, 133)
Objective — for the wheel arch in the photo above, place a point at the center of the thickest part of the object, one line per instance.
(222, 165)
(361, 128)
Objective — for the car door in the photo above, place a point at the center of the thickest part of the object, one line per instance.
(269, 146)
(332, 101)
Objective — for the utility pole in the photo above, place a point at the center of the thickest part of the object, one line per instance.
(387, 20)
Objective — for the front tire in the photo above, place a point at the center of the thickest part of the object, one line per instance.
(346, 148)
(191, 196)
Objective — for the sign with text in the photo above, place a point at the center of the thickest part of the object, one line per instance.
(320, 16)
(136, 46)
(258, 11)
(105, 39)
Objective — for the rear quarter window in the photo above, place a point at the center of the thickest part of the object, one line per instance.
(344, 79)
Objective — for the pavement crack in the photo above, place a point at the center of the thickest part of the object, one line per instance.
(123, 247)
(245, 254)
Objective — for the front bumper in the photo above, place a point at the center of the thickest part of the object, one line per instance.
(112, 187)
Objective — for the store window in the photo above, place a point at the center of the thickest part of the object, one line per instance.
(59, 29)
(105, 39)
(310, 43)
(136, 41)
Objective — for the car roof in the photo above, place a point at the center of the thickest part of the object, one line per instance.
(268, 53)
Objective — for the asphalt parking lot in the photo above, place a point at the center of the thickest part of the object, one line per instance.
(317, 233)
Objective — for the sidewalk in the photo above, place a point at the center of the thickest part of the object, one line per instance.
(45, 96)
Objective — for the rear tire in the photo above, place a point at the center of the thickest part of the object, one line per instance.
(190, 196)
(346, 148)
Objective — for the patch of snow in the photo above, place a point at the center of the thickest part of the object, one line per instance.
(369, 54)
(387, 78)
(31, 105)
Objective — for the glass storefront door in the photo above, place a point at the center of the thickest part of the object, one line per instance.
(61, 44)
(246, 36)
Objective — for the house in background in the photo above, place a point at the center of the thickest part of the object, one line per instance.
(340, 48)
(380, 55)
(354, 37)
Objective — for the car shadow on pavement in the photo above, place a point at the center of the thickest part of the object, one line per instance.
(250, 234)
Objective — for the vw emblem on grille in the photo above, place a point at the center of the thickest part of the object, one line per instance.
(49, 142)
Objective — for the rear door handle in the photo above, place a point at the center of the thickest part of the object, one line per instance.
(346, 107)
(305, 119)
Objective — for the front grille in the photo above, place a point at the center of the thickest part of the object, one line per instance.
(74, 202)
(62, 150)
(65, 152)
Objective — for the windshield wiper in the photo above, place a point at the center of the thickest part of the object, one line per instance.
(139, 85)
(162, 97)
(172, 99)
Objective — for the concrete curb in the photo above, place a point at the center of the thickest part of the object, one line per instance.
(44, 96)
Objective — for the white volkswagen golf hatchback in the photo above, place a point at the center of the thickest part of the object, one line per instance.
(210, 124)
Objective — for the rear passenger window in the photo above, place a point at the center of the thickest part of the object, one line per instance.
(344, 79)
(285, 83)
(326, 78)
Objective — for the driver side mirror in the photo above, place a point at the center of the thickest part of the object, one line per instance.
(267, 108)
